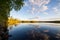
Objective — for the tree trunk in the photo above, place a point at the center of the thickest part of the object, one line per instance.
(3, 29)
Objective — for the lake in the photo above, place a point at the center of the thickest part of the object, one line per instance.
(35, 31)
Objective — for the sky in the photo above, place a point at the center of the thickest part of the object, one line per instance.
(38, 10)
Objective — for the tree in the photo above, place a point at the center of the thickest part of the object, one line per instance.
(5, 7)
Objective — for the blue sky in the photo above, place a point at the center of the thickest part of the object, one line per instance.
(38, 10)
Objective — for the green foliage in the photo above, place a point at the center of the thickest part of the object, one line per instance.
(7, 5)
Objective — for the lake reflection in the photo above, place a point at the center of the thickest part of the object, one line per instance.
(38, 31)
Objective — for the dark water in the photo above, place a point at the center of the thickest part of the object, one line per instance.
(35, 32)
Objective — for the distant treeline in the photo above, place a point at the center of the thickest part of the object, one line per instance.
(40, 21)
(53, 21)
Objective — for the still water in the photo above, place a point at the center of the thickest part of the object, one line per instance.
(35, 31)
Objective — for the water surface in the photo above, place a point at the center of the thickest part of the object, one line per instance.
(35, 31)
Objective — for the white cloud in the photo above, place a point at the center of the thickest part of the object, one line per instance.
(56, 10)
(35, 18)
(39, 2)
(45, 13)
(44, 8)
(26, 4)
(33, 8)
(38, 5)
